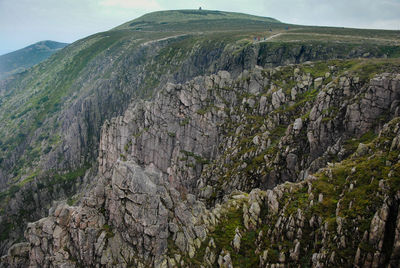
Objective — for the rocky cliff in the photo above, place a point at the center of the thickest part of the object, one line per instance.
(194, 176)
(52, 114)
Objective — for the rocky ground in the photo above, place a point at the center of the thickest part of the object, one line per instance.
(295, 165)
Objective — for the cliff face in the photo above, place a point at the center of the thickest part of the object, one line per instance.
(190, 178)
(53, 113)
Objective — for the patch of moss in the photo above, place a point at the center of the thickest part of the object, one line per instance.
(123, 157)
(351, 144)
(71, 201)
(109, 232)
(184, 122)
(199, 159)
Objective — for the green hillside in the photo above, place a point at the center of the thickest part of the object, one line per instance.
(199, 17)
(22, 59)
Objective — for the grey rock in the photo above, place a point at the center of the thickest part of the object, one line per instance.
(278, 98)
(298, 124)
(318, 82)
(291, 161)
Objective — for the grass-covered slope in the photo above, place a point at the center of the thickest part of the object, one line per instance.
(175, 18)
(22, 59)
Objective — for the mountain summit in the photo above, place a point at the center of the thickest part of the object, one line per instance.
(205, 20)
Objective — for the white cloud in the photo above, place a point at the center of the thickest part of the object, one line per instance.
(139, 4)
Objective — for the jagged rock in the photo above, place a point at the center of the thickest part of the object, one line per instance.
(293, 93)
(318, 82)
(362, 149)
(256, 140)
(236, 240)
(164, 160)
(17, 255)
(298, 124)
(273, 204)
(173, 227)
(181, 241)
(200, 232)
(320, 198)
(282, 257)
(192, 251)
(291, 161)
(278, 98)
(254, 210)
(378, 223)
(296, 253)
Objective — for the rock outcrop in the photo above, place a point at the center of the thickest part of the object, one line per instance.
(53, 114)
(194, 177)
(126, 219)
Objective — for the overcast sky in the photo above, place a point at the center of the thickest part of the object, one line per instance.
(23, 22)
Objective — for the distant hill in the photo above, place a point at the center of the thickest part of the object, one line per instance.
(18, 61)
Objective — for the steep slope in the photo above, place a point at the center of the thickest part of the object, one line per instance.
(160, 163)
(52, 114)
(22, 59)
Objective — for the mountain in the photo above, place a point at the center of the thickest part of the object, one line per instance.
(195, 137)
(198, 20)
(22, 59)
